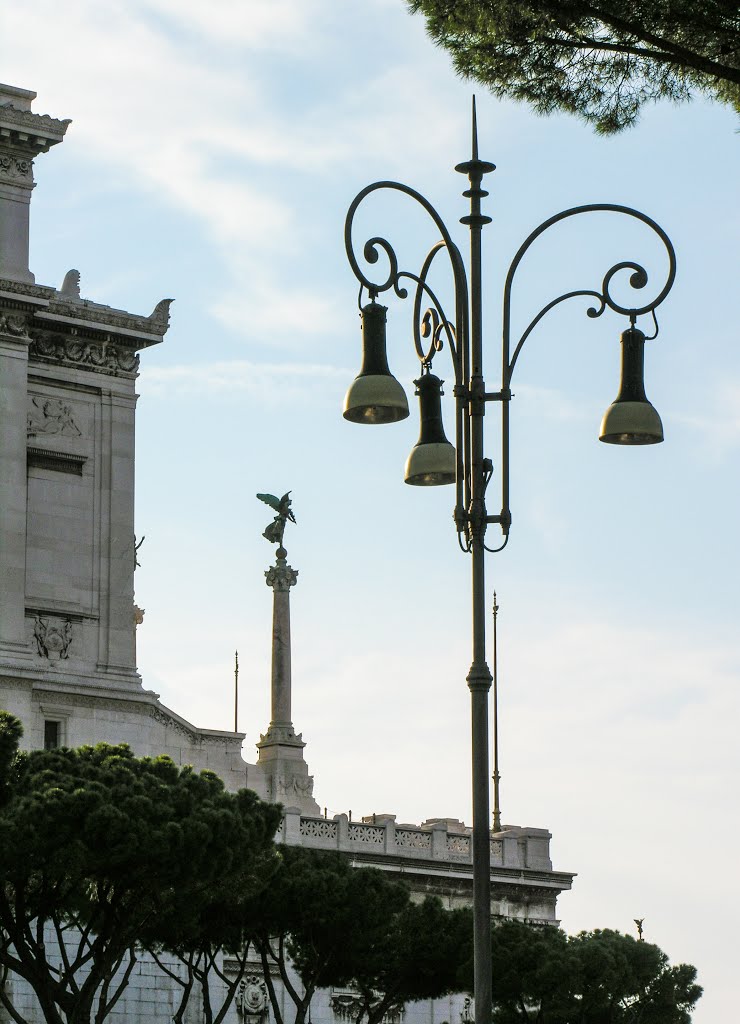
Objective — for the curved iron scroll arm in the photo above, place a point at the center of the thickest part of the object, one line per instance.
(457, 335)
(638, 279)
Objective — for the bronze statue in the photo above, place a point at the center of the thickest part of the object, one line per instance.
(275, 530)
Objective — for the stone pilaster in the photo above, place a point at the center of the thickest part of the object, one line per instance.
(23, 135)
(13, 376)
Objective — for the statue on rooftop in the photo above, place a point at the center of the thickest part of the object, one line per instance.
(275, 530)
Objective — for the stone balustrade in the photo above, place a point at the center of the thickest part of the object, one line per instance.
(437, 840)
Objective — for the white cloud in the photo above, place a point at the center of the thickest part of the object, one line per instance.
(280, 26)
(269, 382)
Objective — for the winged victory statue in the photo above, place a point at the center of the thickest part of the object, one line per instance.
(275, 530)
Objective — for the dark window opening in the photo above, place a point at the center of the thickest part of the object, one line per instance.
(51, 735)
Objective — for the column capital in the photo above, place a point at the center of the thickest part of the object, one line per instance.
(281, 576)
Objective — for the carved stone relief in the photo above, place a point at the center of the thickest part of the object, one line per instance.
(295, 785)
(103, 356)
(51, 416)
(14, 167)
(252, 999)
(13, 325)
(347, 1004)
(53, 637)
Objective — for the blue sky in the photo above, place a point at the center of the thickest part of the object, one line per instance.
(213, 153)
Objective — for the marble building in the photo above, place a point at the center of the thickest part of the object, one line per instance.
(68, 369)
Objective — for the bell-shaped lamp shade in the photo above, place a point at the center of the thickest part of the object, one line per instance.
(375, 396)
(432, 460)
(631, 419)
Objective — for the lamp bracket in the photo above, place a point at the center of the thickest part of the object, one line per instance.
(504, 518)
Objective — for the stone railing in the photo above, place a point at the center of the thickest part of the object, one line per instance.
(436, 840)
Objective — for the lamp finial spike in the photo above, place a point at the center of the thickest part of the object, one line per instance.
(475, 131)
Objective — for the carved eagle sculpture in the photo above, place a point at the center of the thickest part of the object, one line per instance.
(274, 532)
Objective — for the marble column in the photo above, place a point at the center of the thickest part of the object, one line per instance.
(281, 577)
(281, 749)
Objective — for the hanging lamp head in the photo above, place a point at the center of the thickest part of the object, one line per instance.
(631, 419)
(375, 396)
(432, 460)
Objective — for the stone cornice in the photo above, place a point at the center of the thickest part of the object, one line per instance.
(61, 312)
(34, 132)
(83, 312)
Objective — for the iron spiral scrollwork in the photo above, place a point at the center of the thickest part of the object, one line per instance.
(430, 322)
(638, 280)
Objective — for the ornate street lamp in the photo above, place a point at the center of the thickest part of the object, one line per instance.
(377, 397)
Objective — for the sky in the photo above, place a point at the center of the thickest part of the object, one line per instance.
(213, 153)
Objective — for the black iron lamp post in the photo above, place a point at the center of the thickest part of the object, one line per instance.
(376, 396)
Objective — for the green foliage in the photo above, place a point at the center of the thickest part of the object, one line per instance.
(11, 731)
(103, 849)
(600, 61)
(340, 925)
(416, 953)
(599, 977)
(320, 914)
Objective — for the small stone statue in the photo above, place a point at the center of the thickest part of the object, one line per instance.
(275, 530)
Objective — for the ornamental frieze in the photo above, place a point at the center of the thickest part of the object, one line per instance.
(15, 167)
(13, 325)
(102, 356)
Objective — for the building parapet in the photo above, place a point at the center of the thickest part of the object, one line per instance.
(438, 840)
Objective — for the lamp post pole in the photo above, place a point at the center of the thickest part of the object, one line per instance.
(376, 396)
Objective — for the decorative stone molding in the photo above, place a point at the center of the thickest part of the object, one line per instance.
(61, 462)
(89, 701)
(36, 291)
(84, 309)
(171, 723)
(252, 999)
(413, 839)
(37, 131)
(103, 357)
(194, 736)
(281, 577)
(294, 785)
(347, 1005)
(458, 844)
(318, 828)
(53, 637)
(13, 168)
(13, 325)
(374, 834)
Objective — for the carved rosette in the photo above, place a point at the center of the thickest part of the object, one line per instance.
(17, 169)
(281, 577)
(14, 325)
